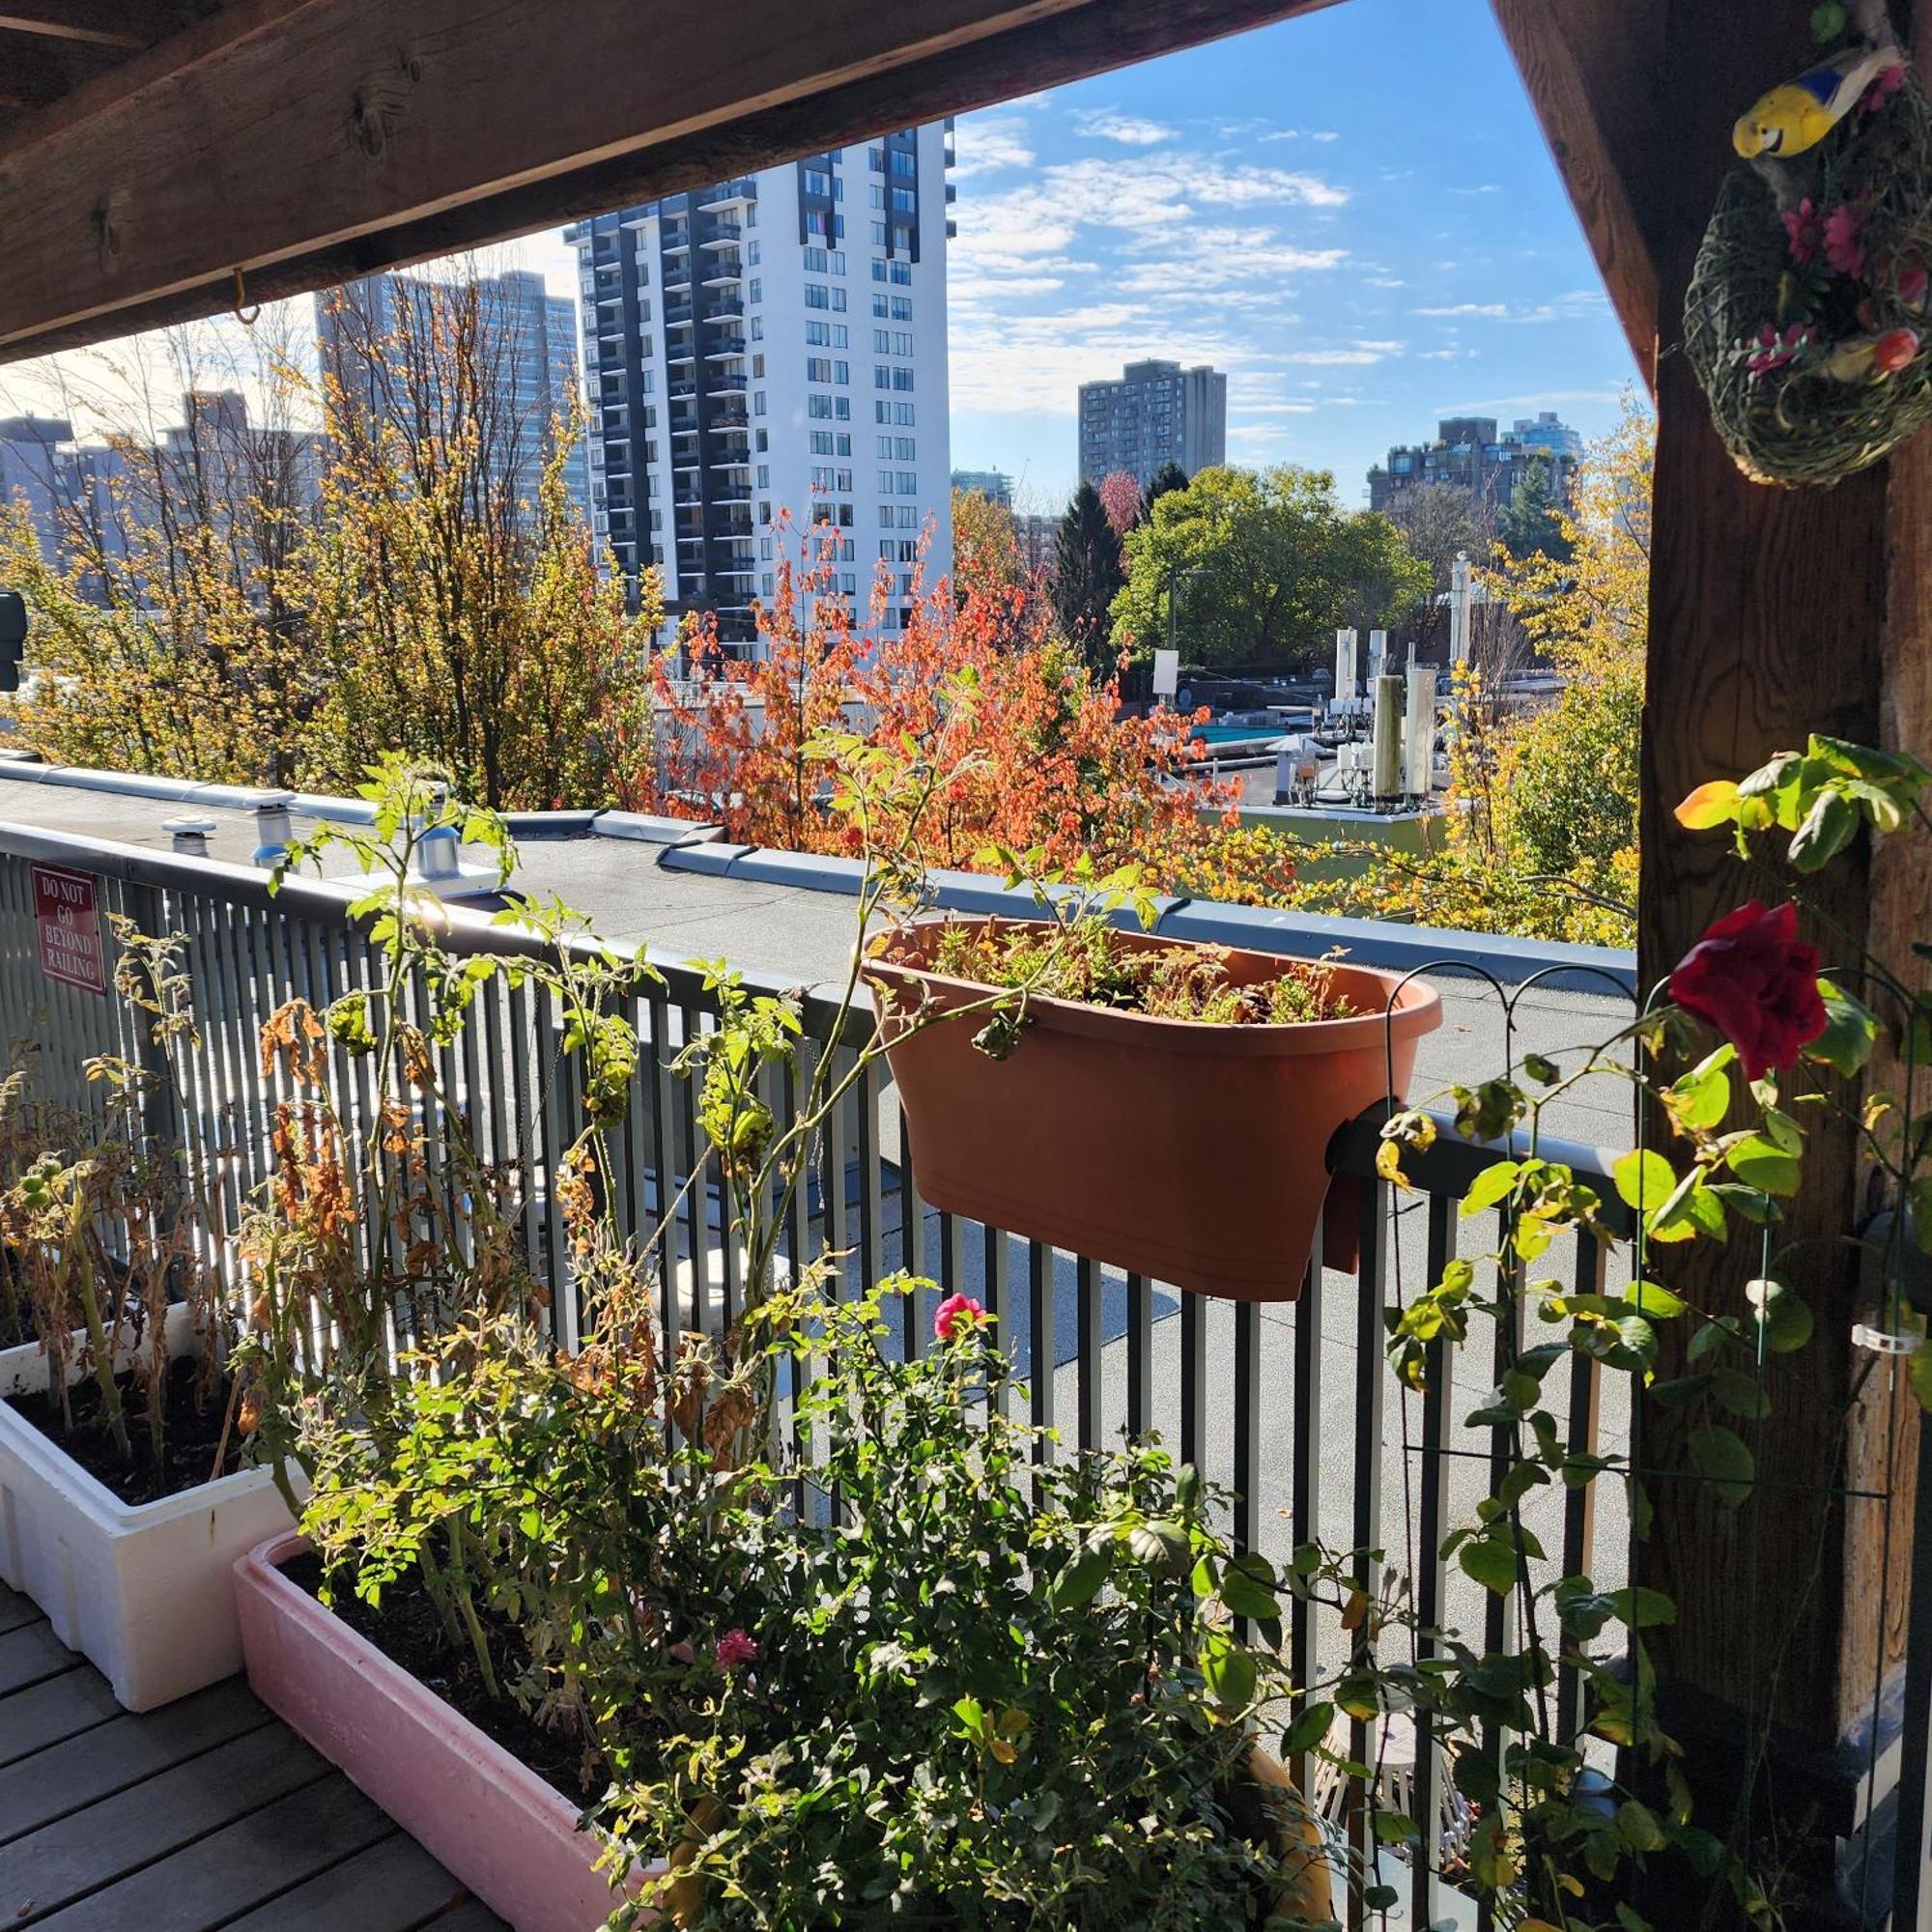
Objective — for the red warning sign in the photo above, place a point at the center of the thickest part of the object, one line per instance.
(68, 923)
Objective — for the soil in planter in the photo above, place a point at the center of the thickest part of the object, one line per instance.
(409, 1634)
(193, 1430)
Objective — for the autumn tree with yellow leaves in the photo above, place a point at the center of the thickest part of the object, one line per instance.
(213, 613)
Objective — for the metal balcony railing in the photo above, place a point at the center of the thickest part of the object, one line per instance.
(1292, 1405)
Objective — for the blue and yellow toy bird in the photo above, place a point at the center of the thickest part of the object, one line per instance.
(1799, 115)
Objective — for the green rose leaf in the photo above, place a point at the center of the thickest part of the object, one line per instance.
(1644, 1179)
(1491, 1185)
(1719, 1455)
(1702, 1098)
(1827, 828)
(1491, 1562)
(1760, 1162)
(1081, 1580)
(1851, 1032)
(1228, 1671)
(1308, 1730)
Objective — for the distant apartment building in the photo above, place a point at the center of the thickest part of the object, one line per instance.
(1469, 454)
(215, 466)
(527, 338)
(995, 485)
(774, 346)
(37, 469)
(1038, 536)
(1158, 412)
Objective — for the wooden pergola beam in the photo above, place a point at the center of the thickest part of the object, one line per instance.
(1594, 73)
(103, 23)
(305, 141)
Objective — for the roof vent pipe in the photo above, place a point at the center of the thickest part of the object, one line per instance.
(274, 828)
(1419, 752)
(188, 835)
(438, 854)
(1385, 739)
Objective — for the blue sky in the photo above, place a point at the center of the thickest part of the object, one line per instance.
(1353, 213)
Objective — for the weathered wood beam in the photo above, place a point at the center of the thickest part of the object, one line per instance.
(1595, 73)
(106, 23)
(38, 73)
(304, 141)
(1774, 613)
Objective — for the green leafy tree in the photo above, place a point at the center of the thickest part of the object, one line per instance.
(1087, 573)
(1532, 523)
(1264, 566)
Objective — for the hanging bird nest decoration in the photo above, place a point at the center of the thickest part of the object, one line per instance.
(1807, 320)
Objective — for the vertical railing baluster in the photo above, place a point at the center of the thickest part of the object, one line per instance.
(1247, 1429)
(871, 1189)
(1306, 1494)
(1432, 1577)
(1193, 1378)
(661, 1099)
(1086, 1275)
(1366, 1522)
(1040, 1320)
(1140, 1354)
(697, 1201)
(1580, 1501)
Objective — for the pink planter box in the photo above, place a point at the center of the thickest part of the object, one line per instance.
(509, 1836)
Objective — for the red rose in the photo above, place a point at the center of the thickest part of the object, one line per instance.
(1757, 982)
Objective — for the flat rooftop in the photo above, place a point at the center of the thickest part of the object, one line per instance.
(672, 888)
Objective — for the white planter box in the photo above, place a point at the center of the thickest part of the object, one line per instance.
(145, 1591)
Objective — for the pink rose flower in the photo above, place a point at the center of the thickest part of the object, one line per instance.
(956, 1312)
(735, 1649)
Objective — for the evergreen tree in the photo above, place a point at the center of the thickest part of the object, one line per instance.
(1087, 575)
(1169, 477)
(1530, 524)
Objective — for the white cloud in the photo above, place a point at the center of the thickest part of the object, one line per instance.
(989, 142)
(1493, 309)
(1360, 357)
(1132, 130)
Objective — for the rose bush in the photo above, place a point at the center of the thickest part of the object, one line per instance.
(1757, 982)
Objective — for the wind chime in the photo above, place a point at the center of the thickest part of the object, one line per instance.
(1807, 320)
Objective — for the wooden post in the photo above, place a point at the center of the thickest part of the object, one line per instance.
(1774, 613)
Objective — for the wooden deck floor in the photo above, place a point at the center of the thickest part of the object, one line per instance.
(207, 1813)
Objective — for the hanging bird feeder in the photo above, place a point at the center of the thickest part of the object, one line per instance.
(1807, 320)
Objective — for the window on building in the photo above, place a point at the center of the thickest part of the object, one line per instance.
(906, 451)
(759, 367)
(903, 379)
(819, 406)
(818, 368)
(905, 162)
(839, 335)
(875, 159)
(758, 402)
(818, 333)
(752, 256)
(764, 476)
(818, 296)
(902, 272)
(842, 408)
(885, 443)
(902, 308)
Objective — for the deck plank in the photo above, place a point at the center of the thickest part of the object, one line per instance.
(109, 1757)
(245, 1863)
(206, 1813)
(31, 1654)
(89, 1849)
(61, 1707)
(395, 1886)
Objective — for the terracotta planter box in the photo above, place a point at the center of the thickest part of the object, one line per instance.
(509, 1836)
(141, 1590)
(1194, 1154)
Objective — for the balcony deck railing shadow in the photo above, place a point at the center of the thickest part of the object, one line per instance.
(1292, 1405)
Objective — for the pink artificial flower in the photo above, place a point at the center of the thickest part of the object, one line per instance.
(1774, 351)
(1842, 248)
(956, 1312)
(1804, 228)
(735, 1648)
(1888, 83)
(1913, 284)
